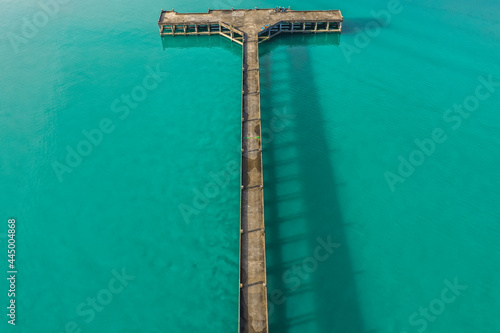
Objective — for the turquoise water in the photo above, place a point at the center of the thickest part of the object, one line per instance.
(337, 114)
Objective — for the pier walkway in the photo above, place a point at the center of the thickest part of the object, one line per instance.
(249, 28)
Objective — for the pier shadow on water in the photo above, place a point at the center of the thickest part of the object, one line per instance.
(354, 25)
(298, 40)
(306, 292)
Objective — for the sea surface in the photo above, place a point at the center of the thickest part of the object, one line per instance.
(381, 166)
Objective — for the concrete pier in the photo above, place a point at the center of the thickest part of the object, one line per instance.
(253, 297)
(249, 28)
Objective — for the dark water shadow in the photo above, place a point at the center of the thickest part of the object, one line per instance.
(298, 40)
(331, 287)
(353, 25)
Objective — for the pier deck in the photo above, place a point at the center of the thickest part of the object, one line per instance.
(253, 298)
(249, 28)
